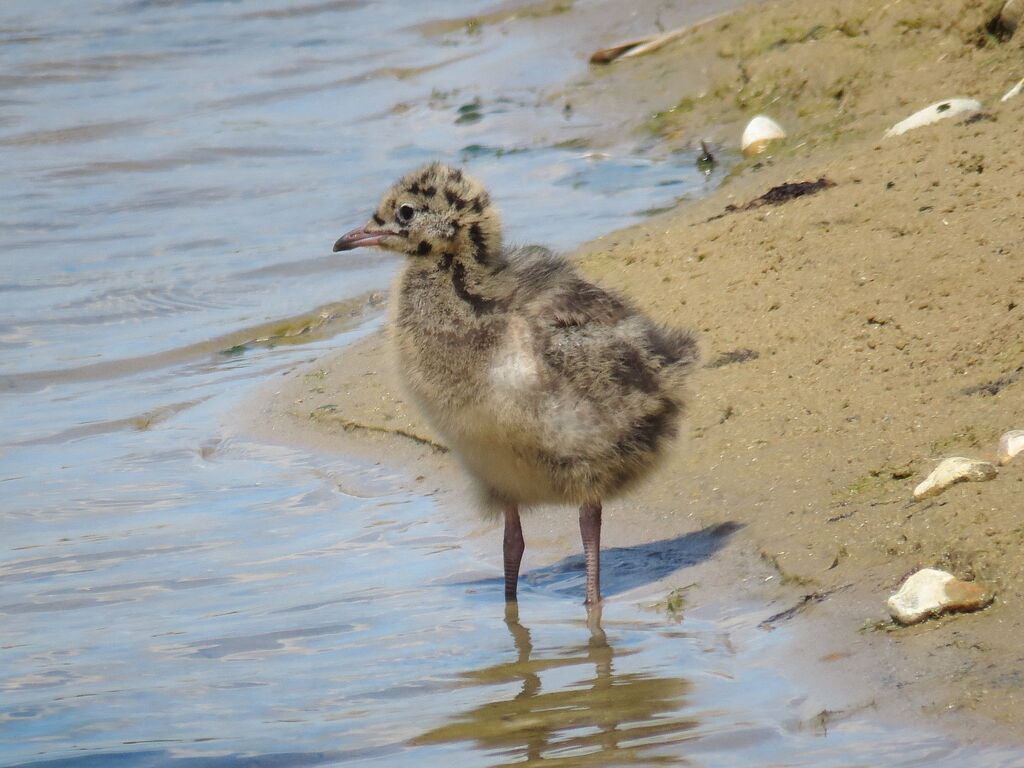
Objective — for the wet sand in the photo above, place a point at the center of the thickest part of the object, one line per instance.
(883, 319)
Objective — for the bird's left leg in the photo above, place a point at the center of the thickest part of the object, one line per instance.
(513, 546)
(590, 530)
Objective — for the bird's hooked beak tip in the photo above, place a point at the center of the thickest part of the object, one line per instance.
(358, 238)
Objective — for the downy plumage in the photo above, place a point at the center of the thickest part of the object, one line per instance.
(549, 389)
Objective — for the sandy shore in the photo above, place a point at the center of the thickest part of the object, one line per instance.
(878, 326)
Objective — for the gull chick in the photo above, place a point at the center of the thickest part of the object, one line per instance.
(549, 389)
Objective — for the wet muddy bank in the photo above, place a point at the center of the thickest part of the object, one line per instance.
(861, 334)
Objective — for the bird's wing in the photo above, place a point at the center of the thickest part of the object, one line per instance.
(548, 287)
(602, 325)
(593, 338)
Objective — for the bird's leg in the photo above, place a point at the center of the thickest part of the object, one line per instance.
(514, 547)
(590, 530)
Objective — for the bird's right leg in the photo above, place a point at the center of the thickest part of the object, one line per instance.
(590, 530)
(514, 547)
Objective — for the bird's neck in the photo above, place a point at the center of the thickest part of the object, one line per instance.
(449, 316)
(480, 241)
(455, 286)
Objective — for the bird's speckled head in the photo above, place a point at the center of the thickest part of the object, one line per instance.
(433, 212)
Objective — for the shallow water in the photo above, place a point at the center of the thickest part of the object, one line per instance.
(175, 173)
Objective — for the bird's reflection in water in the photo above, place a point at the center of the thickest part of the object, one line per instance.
(599, 718)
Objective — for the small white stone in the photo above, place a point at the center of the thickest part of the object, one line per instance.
(930, 592)
(1010, 444)
(940, 110)
(956, 469)
(759, 133)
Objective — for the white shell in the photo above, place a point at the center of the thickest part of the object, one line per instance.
(930, 592)
(760, 131)
(940, 110)
(1015, 91)
(956, 469)
(1010, 444)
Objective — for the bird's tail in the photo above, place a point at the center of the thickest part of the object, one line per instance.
(680, 352)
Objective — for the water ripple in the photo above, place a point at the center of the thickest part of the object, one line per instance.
(311, 9)
(75, 134)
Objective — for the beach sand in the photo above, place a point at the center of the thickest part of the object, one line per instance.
(868, 331)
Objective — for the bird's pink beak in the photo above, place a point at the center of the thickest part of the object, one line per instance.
(359, 237)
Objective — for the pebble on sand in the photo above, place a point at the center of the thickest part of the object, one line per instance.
(931, 592)
(956, 469)
(1010, 444)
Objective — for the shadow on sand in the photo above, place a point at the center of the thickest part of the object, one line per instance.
(622, 568)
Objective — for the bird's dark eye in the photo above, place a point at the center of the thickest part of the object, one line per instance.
(405, 213)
